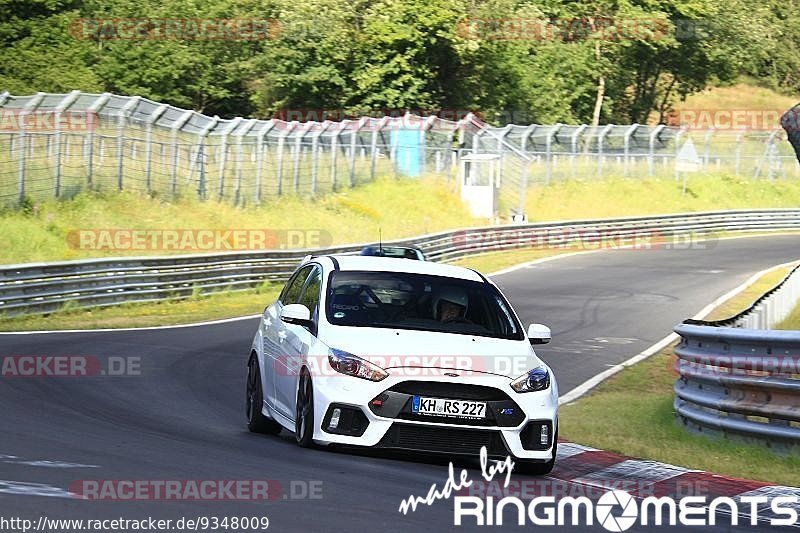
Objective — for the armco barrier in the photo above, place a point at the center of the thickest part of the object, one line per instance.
(739, 381)
(47, 287)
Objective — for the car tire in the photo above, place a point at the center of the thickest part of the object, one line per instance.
(304, 412)
(256, 421)
(537, 468)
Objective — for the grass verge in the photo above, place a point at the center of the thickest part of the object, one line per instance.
(637, 404)
(632, 414)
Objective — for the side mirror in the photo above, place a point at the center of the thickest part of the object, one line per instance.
(297, 314)
(539, 334)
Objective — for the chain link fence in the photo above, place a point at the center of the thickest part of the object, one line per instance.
(55, 145)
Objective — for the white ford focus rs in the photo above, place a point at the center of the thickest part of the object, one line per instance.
(399, 354)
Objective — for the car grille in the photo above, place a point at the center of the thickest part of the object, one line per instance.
(456, 391)
(396, 402)
(443, 440)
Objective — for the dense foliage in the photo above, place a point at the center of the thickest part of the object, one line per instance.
(513, 61)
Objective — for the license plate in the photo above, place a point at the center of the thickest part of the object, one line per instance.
(443, 407)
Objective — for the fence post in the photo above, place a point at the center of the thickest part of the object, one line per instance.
(176, 126)
(677, 150)
(223, 159)
(262, 132)
(148, 144)
(549, 151)
(738, 154)
(122, 116)
(353, 145)
(337, 130)
(652, 154)
(201, 157)
(574, 146)
(239, 134)
(600, 148)
(23, 141)
(523, 189)
(296, 150)
(315, 154)
(93, 114)
(627, 148)
(374, 146)
(425, 126)
(58, 112)
(707, 147)
(281, 142)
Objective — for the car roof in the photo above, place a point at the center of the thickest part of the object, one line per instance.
(391, 264)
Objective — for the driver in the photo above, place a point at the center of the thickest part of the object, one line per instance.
(450, 304)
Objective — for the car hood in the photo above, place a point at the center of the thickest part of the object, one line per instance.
(398, 348)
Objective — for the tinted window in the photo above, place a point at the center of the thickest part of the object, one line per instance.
(416, 301)
(310, 296)
(291, 293)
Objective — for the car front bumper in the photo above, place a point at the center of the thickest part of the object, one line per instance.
(361, 423)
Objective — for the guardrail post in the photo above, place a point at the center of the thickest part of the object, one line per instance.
(122, 117)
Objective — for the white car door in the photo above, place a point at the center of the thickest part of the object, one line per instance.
(298, 341)
(279, 356)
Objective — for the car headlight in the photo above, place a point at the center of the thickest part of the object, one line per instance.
(535, 379)
(351, 365)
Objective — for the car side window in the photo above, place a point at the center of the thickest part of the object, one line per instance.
(311, 294)
(291, 293)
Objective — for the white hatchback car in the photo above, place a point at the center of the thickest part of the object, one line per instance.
(397, 354)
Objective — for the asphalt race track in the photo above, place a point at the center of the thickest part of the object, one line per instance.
(182, 417)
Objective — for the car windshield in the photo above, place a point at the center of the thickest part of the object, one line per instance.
(416, 301)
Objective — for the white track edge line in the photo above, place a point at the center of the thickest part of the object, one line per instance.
(591, 383)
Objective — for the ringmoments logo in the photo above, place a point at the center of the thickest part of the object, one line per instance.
(615, 510)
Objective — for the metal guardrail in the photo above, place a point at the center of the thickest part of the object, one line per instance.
(47, 287)
(739, 381)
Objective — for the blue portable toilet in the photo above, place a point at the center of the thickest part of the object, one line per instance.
(407, 149)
